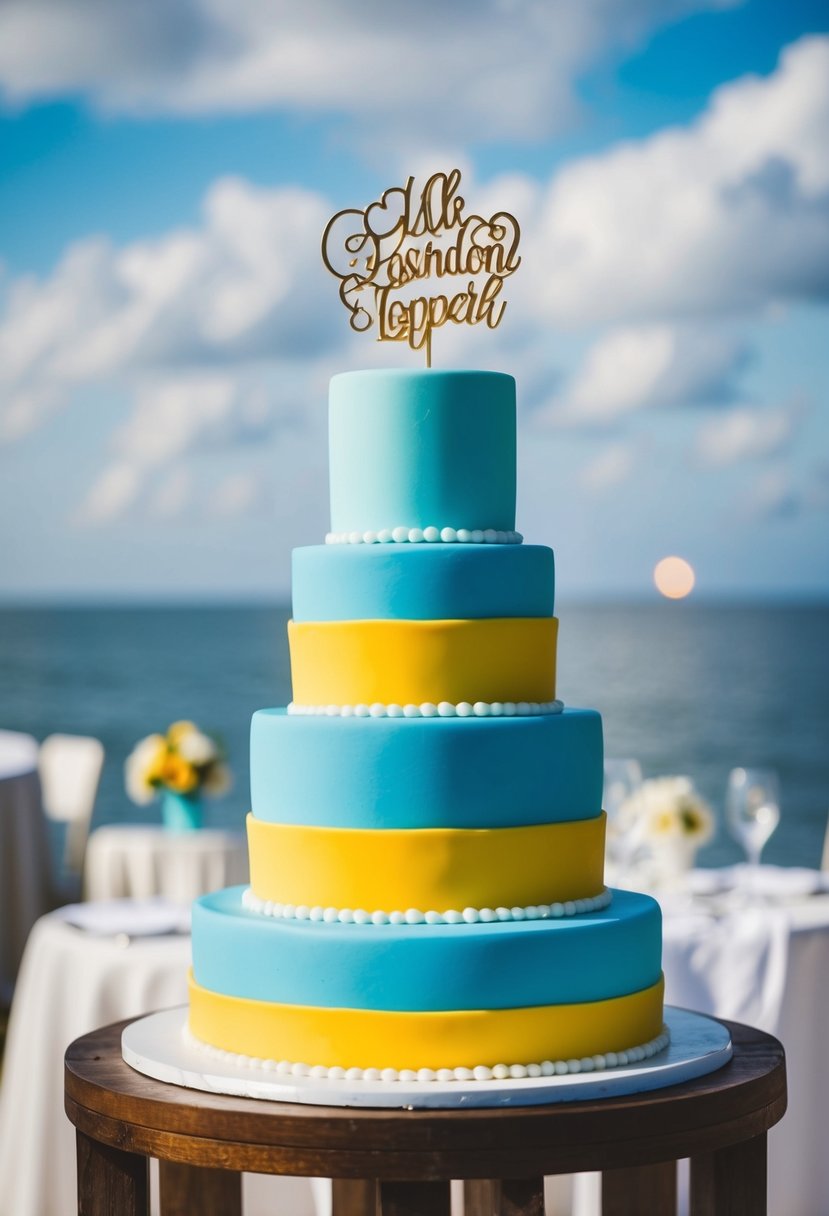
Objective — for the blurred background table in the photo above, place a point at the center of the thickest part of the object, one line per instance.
(25, 875)
(765, 962)
(137, 861)
(132, 959)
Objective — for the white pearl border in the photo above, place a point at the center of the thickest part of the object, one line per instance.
(499, 1072)
(429, 536)
(469, 916)
(443, 709)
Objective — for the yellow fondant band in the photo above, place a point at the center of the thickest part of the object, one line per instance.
(412, 662)
(369, 1038)
(431, 869)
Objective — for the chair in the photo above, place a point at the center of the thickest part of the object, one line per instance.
(824, 864)
(70, 769)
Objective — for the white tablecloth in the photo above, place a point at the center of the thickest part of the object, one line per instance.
(25, 882)
(70, 983)
(139, 862)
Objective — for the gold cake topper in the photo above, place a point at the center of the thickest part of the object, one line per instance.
(383, 254)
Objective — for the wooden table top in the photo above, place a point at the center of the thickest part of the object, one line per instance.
(112, 1103)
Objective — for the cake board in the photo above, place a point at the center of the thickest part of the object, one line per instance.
(156, 1046)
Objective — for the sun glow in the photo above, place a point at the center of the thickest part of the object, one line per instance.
(674, 577)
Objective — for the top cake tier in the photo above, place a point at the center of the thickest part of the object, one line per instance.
(424, 449)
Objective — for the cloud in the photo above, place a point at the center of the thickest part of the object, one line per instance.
(612, 466)
(634, 368)
(235, 494)
(110, 495)
(729, 213)
(772, 496)
(745, 433)
(390, 66)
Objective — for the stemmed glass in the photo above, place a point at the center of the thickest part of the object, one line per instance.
(752, 812)
(621, 779)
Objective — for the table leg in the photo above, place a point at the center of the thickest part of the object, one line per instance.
(111, 1180)
(187, 1189)
(353, 1197)
(641, 1188)
(415, 1199)
(481, 1197)
(730, 1181)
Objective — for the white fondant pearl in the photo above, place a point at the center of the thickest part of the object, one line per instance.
(491, 536)
(316, 913)
(611, 1059)
(287, 910)
(395, 711)
(361, 917)
(599, 1062)
(388, 1074)
(361, 711)
(414, 917)
(586, 1064)
(463, 1074)
(557, 909)
(428, 709)
(503, 913)
(569, 908)
(431, 535)
(330, 538)
(517, 1071)
(509, 709)
(448, 535)
(522, 709)
(400, 534)
(319, 1071)
(532, 912)
(622, 1058)
(561, 1068)
(379, 918)
(496, 709)
(347, 711)
(371, 1074)
(370, 538)
(425, 1074)
(385, 536)
(464, 536)
(471, 916)
(411, 711)
(407, 1074)
(330, 916)
(548, 1068)
(446, 709)
(453, 917)
(482, 1073)
(397, 918)
(500, 1072)
(346, 916)
(533, 1070)
(355, 538)
(336, 1073)
(433, 918)
(519, 914)
(487, 915)
(574, 1065)
(477, 536)
(415, 536)
(481, 709)
(464, 709)
(354, 1074)
(377, 710)
(445, 1074)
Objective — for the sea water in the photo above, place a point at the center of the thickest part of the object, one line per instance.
(689, 688)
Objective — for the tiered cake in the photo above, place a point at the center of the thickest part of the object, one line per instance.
(427, 839)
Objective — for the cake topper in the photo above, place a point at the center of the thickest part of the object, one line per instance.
(384, 254)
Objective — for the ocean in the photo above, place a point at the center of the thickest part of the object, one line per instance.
(686, 688)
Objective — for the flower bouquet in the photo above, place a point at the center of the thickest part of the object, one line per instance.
(181, 766)
(666, 820)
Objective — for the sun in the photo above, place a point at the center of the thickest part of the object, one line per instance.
(674, 577)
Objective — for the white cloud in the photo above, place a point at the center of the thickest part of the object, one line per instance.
(771, 496)
(632, 368)
(744, 433)
(392, 66)
(172, 494)
(110, 495)
(235, 494)
(612, 466)
(729, 213)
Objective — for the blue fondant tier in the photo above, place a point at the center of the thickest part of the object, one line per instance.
(506, 964)
(421, 582)
(425, 772)
(422, 449)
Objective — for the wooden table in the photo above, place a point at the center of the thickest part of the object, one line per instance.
(399, 1163)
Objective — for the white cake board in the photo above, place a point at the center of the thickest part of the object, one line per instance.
(156, 1046)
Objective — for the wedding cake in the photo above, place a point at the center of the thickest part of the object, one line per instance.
(427, 896)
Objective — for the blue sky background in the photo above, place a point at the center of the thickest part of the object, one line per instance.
(167, 330)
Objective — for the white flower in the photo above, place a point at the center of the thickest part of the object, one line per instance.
(217, 780)
(142, 768)
(197, 748)
(664, 808)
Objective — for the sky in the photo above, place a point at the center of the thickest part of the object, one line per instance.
(168, 331)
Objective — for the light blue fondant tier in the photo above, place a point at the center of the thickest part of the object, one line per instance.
(425, 772)
(421, 582)
(422, 449)
(503, 964)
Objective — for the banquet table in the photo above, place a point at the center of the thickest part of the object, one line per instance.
(141, 861)
(25, 876)
(131, 958)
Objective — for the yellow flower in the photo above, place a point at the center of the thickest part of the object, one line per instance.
(178, 730)
(178, 775)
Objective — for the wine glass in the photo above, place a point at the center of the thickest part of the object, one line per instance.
(621, 779)
(753, 812)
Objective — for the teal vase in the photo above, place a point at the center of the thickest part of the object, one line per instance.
(181, 812)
